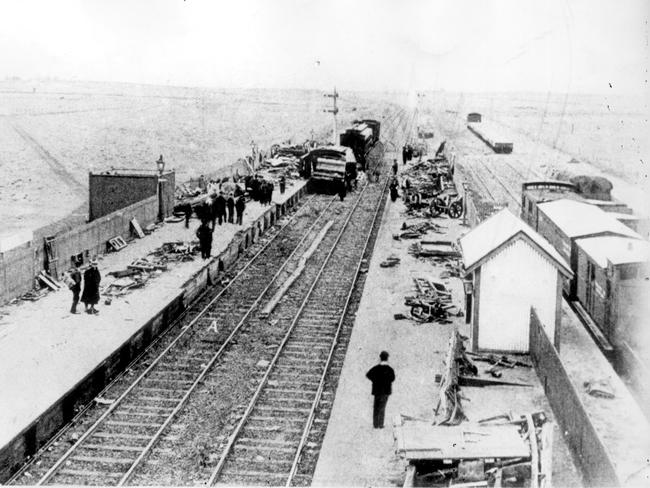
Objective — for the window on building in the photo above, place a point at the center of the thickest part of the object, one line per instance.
(627, 273)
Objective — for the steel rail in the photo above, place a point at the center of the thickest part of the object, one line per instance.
(233, 436)
(335, 342)
(52, 471)
(216, 356)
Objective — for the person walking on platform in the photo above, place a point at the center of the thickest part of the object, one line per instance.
(394, 185)
(230, 203)
(204, 233)
(283, 184)
(240, 206)
(382, 377)
(220, 207)
(395, 167)
(75, 287)
(269, 193)
(90, 295)
(342, 190)
(186, 208)
(404, 153)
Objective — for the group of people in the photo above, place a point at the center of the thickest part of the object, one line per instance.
(91, 280)
(218, 209)
(261, 190)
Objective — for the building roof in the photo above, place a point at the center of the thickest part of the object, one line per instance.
(577, 219)
(490, 235)
(618, 250)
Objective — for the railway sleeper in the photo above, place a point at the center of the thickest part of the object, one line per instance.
(291, 412)
(275, 452)
(259, 464)
(255, 478)
(294, 366)
(288, 403)
(72, 475)
(288, 394)
(112, 436)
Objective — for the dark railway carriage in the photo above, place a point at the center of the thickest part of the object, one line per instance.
(361, 138)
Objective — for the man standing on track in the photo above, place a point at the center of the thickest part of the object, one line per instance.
(382, 377)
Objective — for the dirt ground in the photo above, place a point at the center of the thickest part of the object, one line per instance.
(356, 454)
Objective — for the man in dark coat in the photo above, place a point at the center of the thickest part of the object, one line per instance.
(204, 233)
(230, 203)
(75, 287)
(220, 207)
(404, 154)
(90, 295)
(382, 377)
(269, 194)
(187, 211)
(342, 190)
(283, 184)
(240, 206)
(394, 167)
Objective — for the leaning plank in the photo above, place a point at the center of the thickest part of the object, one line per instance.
(138, 229)
(47, 282)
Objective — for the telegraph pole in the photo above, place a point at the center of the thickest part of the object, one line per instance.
(334, 110)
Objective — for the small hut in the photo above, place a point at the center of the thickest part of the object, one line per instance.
(511, 268)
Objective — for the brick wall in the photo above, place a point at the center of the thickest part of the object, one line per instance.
(588, 451)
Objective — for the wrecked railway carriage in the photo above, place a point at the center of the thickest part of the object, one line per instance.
(361, 138)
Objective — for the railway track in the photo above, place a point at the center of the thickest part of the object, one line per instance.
(121, 443)
(169, 374)
(268, 444)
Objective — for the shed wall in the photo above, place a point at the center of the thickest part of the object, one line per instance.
(507, 293)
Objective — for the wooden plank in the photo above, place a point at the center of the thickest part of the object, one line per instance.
(409, 480)
(138, 229)
(47, 282)
(532, 438)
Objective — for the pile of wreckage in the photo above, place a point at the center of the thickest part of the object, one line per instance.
(431, 303)
(440, 252)
(429, 188)
(503, 450)
(286, 156)
(140, 271)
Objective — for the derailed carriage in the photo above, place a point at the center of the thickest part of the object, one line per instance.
(361, 138)
(328, 167)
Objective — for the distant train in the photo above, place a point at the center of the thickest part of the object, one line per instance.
(327, 166)
(609, 259)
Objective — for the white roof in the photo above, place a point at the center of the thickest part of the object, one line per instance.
(618, 250)
(577, 219)
(495, 231)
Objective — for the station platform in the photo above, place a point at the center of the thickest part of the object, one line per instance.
(46, 352)
(356, 454)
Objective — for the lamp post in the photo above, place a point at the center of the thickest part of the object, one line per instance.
(160, 164)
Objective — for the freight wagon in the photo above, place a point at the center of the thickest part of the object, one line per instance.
(610, 262)
(492, 136)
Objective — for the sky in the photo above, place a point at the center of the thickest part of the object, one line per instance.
(591, 46)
